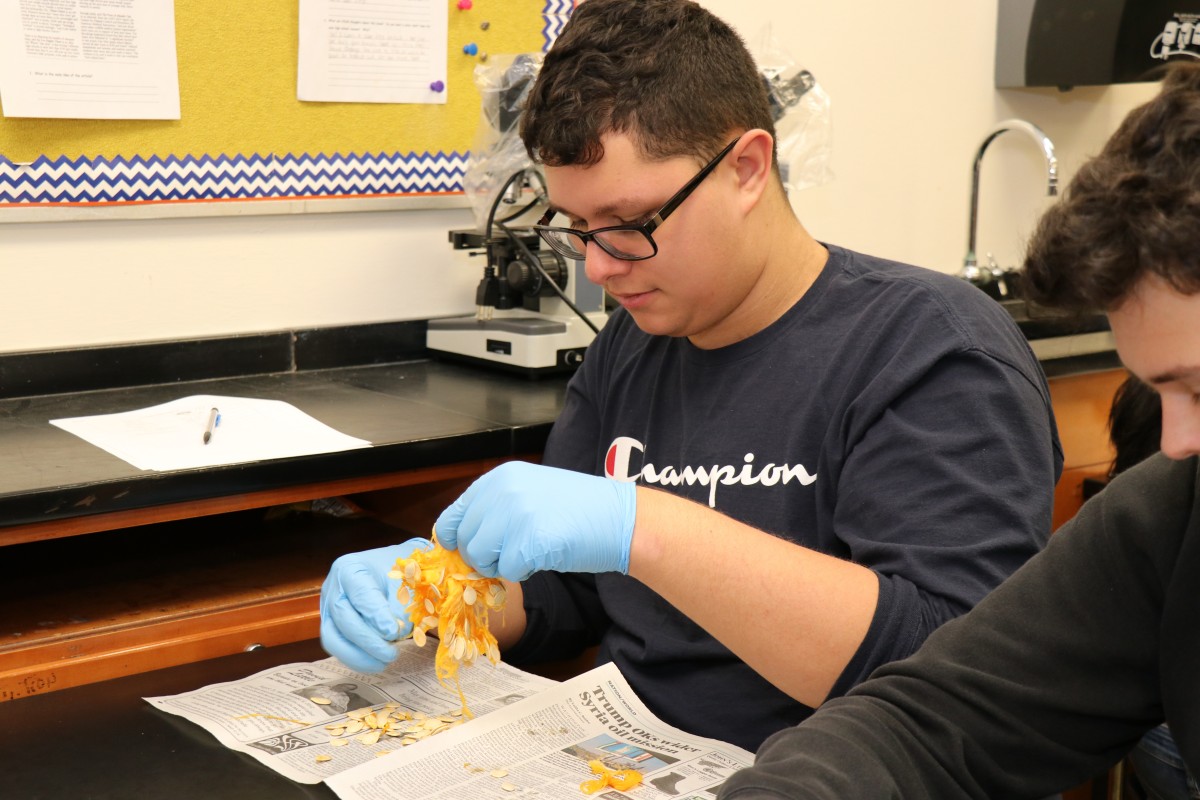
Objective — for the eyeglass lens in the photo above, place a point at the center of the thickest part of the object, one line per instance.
(628, 243)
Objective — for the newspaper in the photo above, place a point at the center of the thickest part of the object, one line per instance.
(540, 747)
(531, 738)
(271, 715)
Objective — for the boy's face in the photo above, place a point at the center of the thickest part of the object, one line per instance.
(1157, 332)
(696, 280)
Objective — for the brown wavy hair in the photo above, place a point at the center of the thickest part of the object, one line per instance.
(668, 73)
(1132, 211)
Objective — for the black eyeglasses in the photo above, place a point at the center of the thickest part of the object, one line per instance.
(632, 242)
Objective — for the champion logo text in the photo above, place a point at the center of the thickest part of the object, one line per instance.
(620, 463)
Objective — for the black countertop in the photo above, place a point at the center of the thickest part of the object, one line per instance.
(417, 414)
(103, 742)
(1041, 323)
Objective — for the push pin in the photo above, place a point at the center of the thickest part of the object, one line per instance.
(483, 26)
(464, 5)
(471, 49)
(437, 86)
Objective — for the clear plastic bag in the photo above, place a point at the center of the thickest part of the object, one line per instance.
(803, 126)
(799, 104)
(497, 153)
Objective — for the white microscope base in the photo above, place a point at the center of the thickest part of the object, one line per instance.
(522, 342)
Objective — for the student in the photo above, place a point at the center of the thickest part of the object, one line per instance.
(1135, 428)
(782, 463)
(1061, 670)
(1134, 424)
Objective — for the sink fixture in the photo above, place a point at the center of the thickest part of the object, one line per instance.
(997, 282)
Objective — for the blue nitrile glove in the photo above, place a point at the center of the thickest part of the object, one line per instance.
(361, 615)
(521, 518)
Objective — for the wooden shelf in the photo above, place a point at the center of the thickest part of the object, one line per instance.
(95, 607)
(115, 520)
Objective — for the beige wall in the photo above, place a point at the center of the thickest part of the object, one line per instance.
(912, 94)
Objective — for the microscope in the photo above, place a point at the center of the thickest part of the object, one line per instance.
(535, 312)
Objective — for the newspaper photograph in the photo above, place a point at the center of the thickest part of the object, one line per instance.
(550, 745)
(309, 721)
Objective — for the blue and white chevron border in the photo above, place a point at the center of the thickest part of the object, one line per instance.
(134, 180)
(555, 14)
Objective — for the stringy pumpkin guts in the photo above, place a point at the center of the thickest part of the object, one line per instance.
(619, 779)
(448, 595)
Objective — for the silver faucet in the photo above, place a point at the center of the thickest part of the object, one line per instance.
(971, 269)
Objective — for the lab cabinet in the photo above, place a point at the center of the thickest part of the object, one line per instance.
(110, 571)
(1081, 406)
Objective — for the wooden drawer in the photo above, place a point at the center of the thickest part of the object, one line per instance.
(109, 604)
(1081, 406)
(76, 609)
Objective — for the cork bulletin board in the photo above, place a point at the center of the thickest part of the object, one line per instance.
(246, 144)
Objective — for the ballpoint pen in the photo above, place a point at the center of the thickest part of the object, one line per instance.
(214, 419)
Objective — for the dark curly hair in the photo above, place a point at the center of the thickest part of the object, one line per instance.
(1131, 211)
(668, 73)
(1134, 424)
